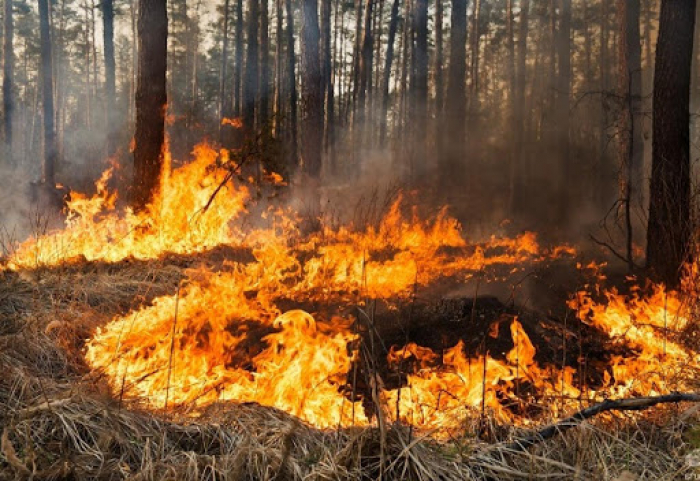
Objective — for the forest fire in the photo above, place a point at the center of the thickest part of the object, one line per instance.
(224, 335)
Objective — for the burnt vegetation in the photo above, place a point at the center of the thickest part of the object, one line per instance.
(349, 239)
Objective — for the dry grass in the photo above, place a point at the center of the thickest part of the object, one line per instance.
(58, 420)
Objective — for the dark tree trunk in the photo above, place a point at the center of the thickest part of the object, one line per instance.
(151, 101)
(420, 94)
(456, 100)
(8, 76)
(50, 151)
(631, 139)
(669, 232)
(517, 173)
(312, 92)
(238, 64)
(292, 87)
(223, 103)
(250, 83)
(439, 58)
(389, 59)
(563, 106)
(264, 115)
(110, 88)
(328, 75)
(366, 57)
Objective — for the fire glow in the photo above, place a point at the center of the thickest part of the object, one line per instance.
(224, 337)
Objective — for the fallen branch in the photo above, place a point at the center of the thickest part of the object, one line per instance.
(634, 404)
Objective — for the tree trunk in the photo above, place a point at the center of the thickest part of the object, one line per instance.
(250, 83)
(393, 25)
(420, 94)
(439, 59)
(564, 103)
(238, 66)
(312, 91)
(631, 140)
(151, 101)
(264, 113)
(366, 57)
(456, 104)
(50, 152)
(8, 76)
(669, 231)
(292, 87)
(110, 87)
(328, 76)
(517, 172)
(223, 104)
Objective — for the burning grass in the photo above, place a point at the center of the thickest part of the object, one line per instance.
(193, 342)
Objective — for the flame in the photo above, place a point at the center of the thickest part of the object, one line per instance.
(224, 336)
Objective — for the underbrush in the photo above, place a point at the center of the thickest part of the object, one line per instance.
(60, 421)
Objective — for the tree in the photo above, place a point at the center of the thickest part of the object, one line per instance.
(250, 83)
(292, 85)
(110, 87)
(8, 74)
(50, 151)
(669, 230)
(456, 100)
(393, 26)
(238, 62)
(151, 101)
(420, 94)
(631, 139)
(223, 104)
(312, 91)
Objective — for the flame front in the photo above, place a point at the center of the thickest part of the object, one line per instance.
(223, 335)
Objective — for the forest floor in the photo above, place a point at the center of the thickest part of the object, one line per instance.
(60, 420)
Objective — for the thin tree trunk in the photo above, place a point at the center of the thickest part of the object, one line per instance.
(393, 25)
(420, 94)
(631, 140)
(50, 152)
(327, 76)
(250, 84)
(517, 172)
(223, 80)
(669, 231)
(439, 59)
(110, 77)
(151, 101)
(292, 87)
(312, 91)
(264, 113)
(456, 104)
(238, 65)
(8, 77)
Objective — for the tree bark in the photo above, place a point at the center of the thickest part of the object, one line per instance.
(389, 59)
(250, 83)
(292, 87)
(312, 91)
(631, 140)
(110, 87)
(420, 94)
(456, 104)
(238, 64)
(517, 185)
(563, 107)
(669, 230)
(50, 152)
(151, 102)
(264, 115)
(8, 77)
(327, 53)
(223, 103)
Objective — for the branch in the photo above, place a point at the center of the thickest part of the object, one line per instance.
(633, 404)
